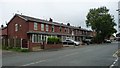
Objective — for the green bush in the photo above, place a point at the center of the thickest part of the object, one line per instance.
(50, 40)
(53, 40)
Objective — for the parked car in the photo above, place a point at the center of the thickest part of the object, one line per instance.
(71, 42)
(87, 41)
(107, 41)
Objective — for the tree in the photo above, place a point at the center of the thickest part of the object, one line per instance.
(101, 22)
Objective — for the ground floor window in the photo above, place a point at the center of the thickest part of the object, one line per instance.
(37, 38)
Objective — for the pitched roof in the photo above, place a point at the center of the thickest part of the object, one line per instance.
(28, 18)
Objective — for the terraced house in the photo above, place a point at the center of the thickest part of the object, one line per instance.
(33, 31)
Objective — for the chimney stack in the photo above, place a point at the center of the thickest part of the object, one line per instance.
(50, 20)
(2, 26)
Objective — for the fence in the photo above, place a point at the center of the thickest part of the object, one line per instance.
(11, 42)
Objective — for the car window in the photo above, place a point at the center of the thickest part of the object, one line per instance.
(67, 40)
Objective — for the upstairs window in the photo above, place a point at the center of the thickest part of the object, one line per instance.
(60, 28)
(52, 28)
(46, 27)
(65, 29)
(16, 27)
(42, 27)
(68, 30)
(35, 26)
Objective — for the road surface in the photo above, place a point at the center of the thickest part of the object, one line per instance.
(87, 55)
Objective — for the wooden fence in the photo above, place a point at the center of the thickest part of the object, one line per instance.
(11, 42)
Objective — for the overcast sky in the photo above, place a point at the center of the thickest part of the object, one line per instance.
(63, 11)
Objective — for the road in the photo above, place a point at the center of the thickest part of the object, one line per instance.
(88, 55)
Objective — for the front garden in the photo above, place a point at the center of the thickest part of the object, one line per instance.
(53, 42)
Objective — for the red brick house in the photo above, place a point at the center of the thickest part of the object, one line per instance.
(34, 31)
(3, 33)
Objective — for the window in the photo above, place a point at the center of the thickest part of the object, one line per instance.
(52, 28)
(35, 26)
(36, 38)
(68, 30)
(39, 38)
(42, 37)
(46, 27)
(60, 28)
(42, 27)
(65, 29)
(32, 37)
(16, 27)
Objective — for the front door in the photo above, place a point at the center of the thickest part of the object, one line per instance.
(24, 43)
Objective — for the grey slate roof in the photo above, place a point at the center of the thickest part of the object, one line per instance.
(28, 18)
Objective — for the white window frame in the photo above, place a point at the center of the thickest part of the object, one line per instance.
(16, 27)
(35, 26)
(53, 28)
(39, 38)
(42, 27)
(47, 27)
(36, 38)
(33, 38)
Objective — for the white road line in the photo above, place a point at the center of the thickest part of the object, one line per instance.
(114, 62)
(50, 59)
(111, 66)
(34, 63)
(114, 55)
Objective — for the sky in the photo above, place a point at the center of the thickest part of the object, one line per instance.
(62, 11)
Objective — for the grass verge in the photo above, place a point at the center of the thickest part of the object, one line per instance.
(17, 49)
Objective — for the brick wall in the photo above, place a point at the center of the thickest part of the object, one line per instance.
(22, 28)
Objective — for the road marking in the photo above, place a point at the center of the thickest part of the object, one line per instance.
(114, 55)
(49, 59)
(111, 66)
(34, 63)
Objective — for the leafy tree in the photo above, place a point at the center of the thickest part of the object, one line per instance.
(101, 22)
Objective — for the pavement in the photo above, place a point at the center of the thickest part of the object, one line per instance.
(86, 55)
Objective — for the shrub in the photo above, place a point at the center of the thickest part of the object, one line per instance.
(50, 40)
(53, 40)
